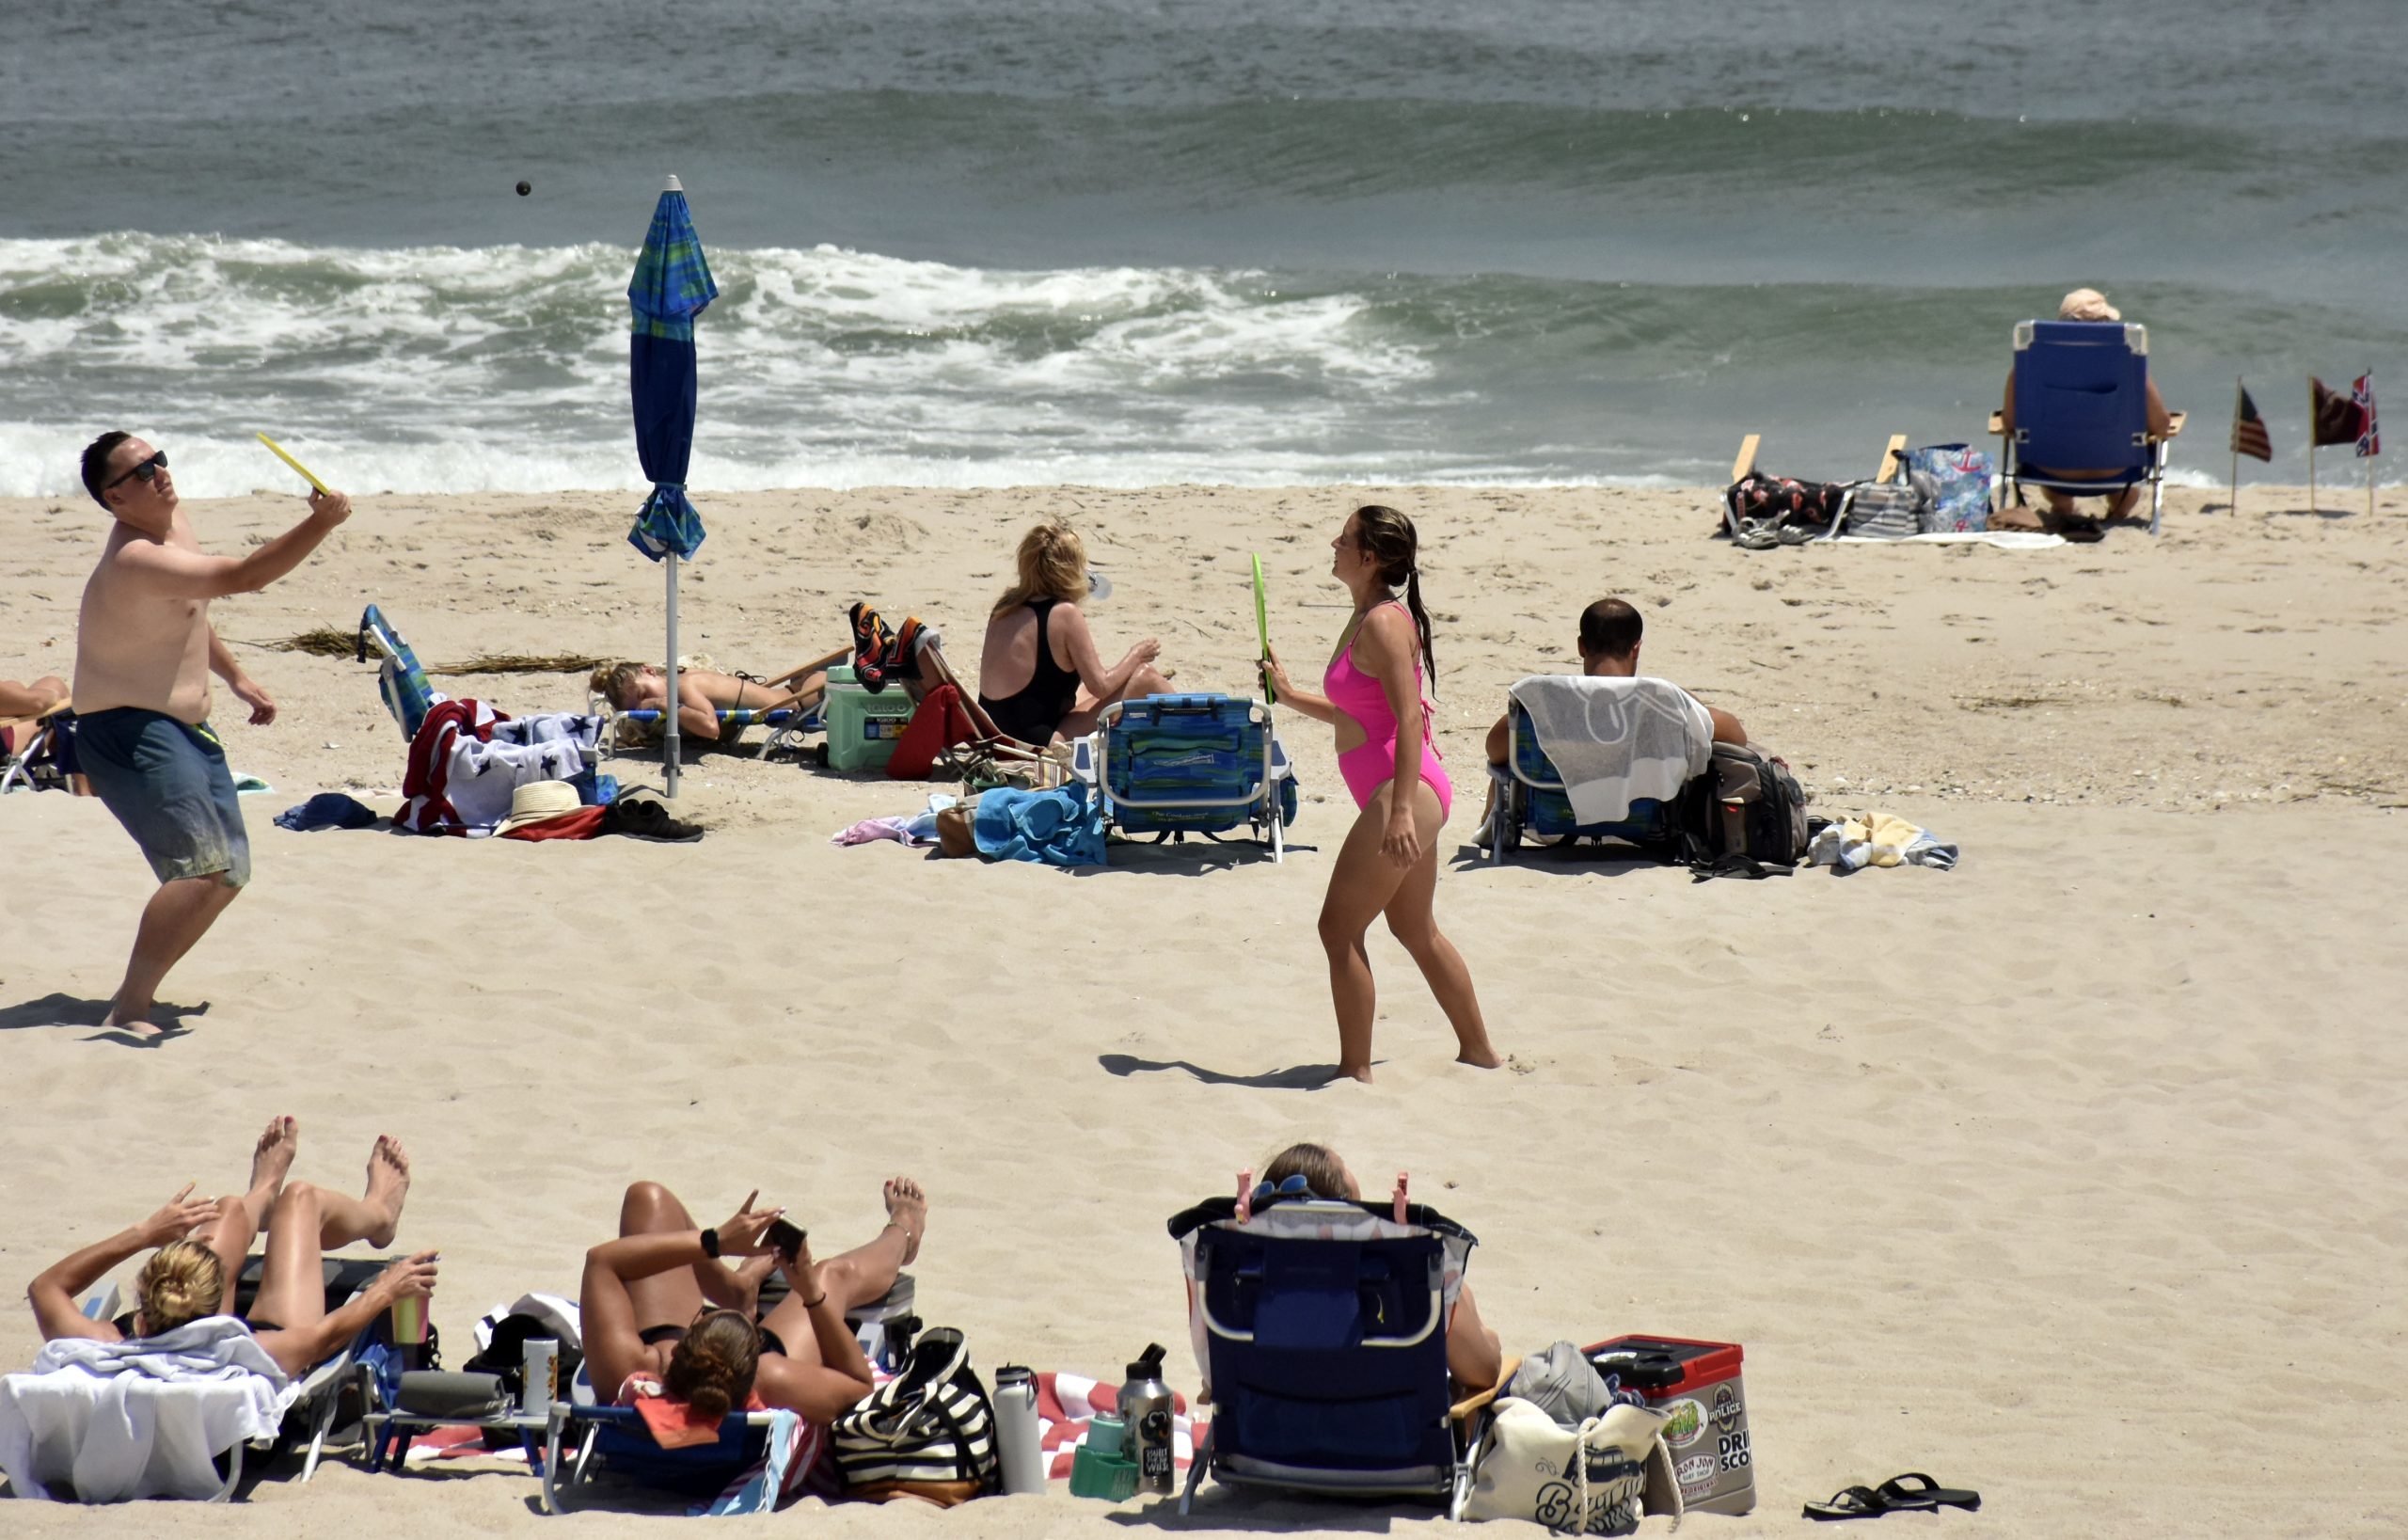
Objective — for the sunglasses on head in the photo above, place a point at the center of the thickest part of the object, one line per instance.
(142, 472)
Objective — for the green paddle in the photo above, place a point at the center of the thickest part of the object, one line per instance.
(1262, 633)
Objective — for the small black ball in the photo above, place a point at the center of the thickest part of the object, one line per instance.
(526, 188)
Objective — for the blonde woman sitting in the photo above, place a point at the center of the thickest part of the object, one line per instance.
(1039, 675)
(201, 1243)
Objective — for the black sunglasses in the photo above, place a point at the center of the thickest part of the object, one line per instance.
(142, 472)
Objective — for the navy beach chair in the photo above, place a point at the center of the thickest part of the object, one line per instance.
(2082, 402)
(1322, 1327)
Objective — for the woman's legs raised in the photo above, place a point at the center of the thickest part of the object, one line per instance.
(308, 1221)
(240, 1219)
(674, 1297)
(860, 1275)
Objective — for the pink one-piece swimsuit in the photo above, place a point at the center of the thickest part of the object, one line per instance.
(1372, 763)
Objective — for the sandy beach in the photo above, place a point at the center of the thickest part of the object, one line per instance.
(2064, 1175)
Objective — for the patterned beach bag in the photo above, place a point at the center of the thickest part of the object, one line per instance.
(1599, 1477)
(1953, 482)
(929, 1432)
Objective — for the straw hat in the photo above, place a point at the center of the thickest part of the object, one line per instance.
(537, 801)
(2088, 305)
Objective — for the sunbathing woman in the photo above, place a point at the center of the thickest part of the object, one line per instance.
(1039, 675)
(1389, 863)
(202, 1243)
(1474, 1357)
(663, 1317)
(702, 694)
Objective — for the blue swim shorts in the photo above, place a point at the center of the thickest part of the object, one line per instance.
(168, 782)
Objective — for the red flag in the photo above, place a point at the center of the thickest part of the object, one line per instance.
(2370, 432)
(2249, 429)
(2334, 417)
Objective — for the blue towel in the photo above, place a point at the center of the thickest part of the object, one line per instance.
(1059, 828)
(328, 810)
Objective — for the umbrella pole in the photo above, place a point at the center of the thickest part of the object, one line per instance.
(669, 706)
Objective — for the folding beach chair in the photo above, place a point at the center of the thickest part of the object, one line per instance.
(398, 678)
(2082, 400)
(43, 758)
(1175, 765)
(1657, 741)
(786, 723)
(1322, 1328)
(331, 1389)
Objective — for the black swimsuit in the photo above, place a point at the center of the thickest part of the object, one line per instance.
(654, 1335)
(1032, 712)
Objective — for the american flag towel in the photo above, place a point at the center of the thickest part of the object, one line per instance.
(1064, 1403)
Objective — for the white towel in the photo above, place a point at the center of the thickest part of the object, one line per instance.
(141, 1418)
(1616, 741)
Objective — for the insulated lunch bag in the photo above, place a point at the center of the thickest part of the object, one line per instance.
(1746, 813)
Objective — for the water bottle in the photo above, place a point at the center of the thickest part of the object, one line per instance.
(1146, 1407)
(1017, 1438)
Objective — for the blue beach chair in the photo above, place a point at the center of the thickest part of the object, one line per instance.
(1322, 1328)
(618, 1439)
(398, 678)
(1529, 794)
(1175, 765)
(44, 758)
(2082, 402)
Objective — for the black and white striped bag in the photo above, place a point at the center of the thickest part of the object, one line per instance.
(930, 1424)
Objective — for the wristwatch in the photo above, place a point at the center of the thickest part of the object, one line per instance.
(710, 1244)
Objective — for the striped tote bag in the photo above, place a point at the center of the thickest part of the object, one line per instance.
(929, 1432)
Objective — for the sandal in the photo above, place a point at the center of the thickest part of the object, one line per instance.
(1927, 1493)
(1849, 1502)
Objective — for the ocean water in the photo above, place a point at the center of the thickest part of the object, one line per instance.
(1122, 242)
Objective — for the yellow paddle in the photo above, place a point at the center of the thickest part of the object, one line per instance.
(277, 450)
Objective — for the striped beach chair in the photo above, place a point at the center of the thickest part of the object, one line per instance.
(1176, 765)
(398, 678)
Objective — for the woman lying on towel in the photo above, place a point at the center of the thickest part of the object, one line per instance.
(702, 694)
(662, 1316)
(1474, 1357)
(202, 1243)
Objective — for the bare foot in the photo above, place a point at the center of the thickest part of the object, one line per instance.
(389, 1185)
(132, 1022)
(1481, 1059)
(1362, 1073)
(272, 1157)
(907, 1210)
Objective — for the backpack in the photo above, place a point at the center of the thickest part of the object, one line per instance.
(1762, 511)
(1955, 481)
(1745, 816)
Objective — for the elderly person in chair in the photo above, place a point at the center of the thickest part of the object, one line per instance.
(2060, 517)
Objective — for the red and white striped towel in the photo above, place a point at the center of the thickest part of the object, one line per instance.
(1066, 1402)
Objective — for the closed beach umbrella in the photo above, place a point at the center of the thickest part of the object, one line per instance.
(670, 286)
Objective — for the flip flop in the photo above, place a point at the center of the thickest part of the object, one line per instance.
(1849, 1502)
(1925, 1493)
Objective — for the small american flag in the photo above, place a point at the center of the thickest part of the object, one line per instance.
(2249, 429)
(2370, 432)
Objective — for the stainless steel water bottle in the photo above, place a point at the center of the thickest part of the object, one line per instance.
(1017, 1438)
(1146, 1407)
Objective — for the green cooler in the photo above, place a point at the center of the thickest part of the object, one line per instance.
(862, 728)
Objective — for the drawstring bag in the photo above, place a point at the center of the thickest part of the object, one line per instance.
(1597, 1477)
(927, 1432)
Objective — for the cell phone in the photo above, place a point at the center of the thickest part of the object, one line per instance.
(787, 1238)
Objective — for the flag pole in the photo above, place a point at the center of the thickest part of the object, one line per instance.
(2233, 507)
(2367, 374)
(2311, 444)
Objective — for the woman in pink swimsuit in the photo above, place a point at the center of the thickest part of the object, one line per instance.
(1389, 863)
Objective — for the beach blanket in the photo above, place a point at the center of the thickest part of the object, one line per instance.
(140, 1417)
(2003, 539)
(1060, 828)
(1616, 741)
(468, 757)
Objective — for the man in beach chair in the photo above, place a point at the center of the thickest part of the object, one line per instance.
(1175, 765)
(2083, 419)
(1528, 791)
(1326, 1326)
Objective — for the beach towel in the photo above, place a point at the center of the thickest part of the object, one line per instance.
(1877, 839)
(140, 1417)
(1067, 1403)
(1060, 828)
(467, 759)
(1616, 741)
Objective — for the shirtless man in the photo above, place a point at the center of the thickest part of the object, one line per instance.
(144, 652)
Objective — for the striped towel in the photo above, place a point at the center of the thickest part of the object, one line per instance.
(1066, 1402)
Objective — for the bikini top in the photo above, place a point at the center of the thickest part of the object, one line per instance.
(1362, 697)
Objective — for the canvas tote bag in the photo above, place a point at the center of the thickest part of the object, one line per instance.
(1597, 1478)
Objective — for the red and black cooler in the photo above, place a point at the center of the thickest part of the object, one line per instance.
(1698, 1384)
